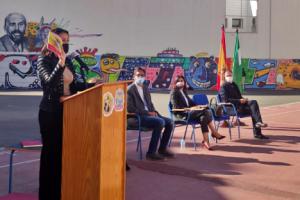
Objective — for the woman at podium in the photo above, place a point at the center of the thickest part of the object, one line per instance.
(58, 80)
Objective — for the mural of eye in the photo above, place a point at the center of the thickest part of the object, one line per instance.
(112, 62)
(15, 61)
(24, 62)
(105, 62)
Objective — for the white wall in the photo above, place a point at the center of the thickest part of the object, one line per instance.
(285, 29)
(145, 27)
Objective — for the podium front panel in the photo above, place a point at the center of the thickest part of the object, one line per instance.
(94, 144)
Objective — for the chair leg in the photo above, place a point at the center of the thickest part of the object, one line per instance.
(229, 128)
(170, 141)
(238, 122)
(138, 143)
(10, 171)
(185, 132)
(194, 137)
(139, 146)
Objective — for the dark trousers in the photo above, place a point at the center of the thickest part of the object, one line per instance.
(203, 117)
(252, 108)
(157, 124)
(51, 156)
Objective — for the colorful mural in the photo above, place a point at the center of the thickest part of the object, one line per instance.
(23, 40)
(261, 73)
(202, 73)
(288, 74)
(23, 36)
(18, 70)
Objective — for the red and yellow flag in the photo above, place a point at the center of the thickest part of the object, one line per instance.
(222, 66)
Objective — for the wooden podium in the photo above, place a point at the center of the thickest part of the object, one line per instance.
(93, 165)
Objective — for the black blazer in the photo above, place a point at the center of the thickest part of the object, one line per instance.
(230, 92)
(51, 76)
(178, 101)
(135, 103)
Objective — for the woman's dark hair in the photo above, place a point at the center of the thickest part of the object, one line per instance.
(60, 30)
(177, 80)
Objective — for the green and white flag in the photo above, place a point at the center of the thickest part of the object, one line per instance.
(237, 69)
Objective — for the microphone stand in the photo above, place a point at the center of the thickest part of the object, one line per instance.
(83, 77)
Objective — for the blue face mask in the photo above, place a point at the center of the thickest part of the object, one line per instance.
(139, 80)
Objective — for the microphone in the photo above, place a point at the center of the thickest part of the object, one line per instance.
(76, 56)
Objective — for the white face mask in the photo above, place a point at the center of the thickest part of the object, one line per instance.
(228, 79)
(179, 84)
(139, 80)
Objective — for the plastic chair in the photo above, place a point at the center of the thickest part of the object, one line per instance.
(231, 110)
(134, 124)
(202, 99)
(182, 122)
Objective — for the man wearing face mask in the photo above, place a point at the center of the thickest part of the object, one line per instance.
(139, 102)
(230, 93)
(14, 40)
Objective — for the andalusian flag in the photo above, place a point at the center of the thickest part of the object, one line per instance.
(222, 60)
(237, 70)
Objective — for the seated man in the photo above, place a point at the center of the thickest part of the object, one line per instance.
(230, 93)
(139, 102)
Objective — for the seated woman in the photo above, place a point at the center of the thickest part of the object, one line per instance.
(180, 100)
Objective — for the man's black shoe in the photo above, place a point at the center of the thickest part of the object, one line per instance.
(154, 157)
(165, 153)
(261, 136)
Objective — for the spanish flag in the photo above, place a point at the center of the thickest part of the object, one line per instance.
(54, 44)
(222, 67)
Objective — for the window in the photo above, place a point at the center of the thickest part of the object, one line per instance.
(242, 15)
(236, 23)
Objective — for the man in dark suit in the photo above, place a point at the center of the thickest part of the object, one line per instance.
(139, 102)
(230, 93)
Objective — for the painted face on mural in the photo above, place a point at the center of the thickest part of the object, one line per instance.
(19, 71)
(15, 26)
(110, 64)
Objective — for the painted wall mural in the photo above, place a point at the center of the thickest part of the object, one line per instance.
(261, 74)
(22, 35)
(19, 70)
(202, 73)
(23, 39)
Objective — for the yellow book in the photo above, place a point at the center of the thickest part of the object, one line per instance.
(54, 44)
